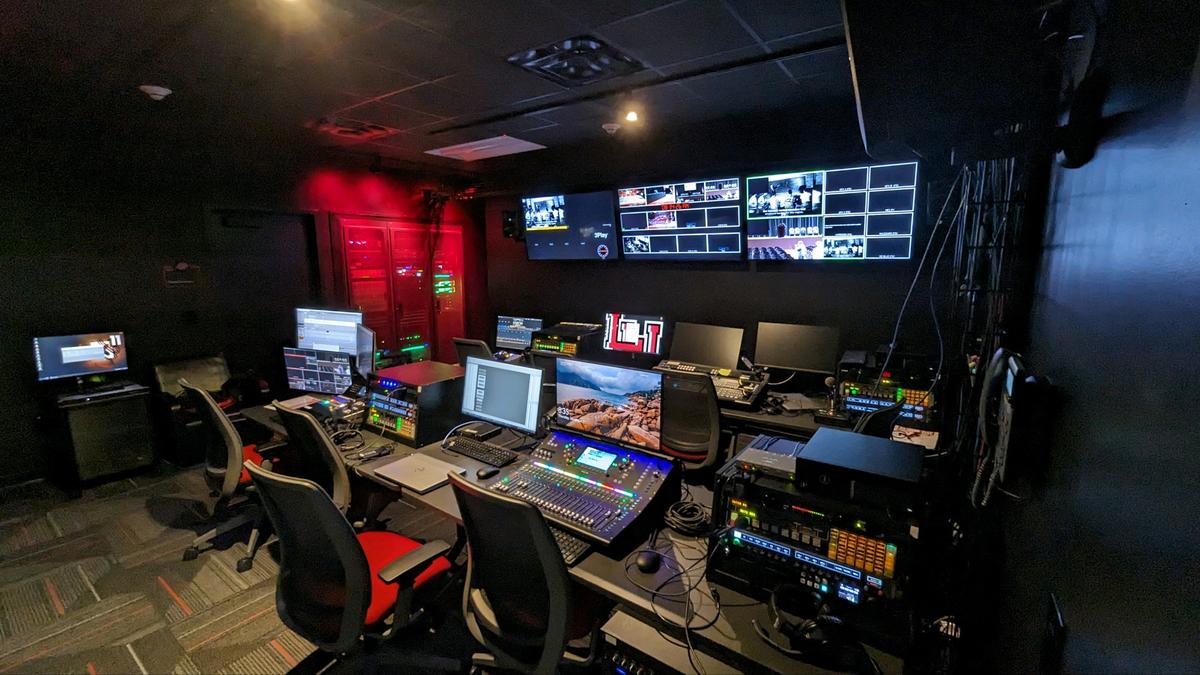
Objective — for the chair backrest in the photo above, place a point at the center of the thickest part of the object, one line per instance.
(691, 419)
(314, 455)
(210, 373)
(222, 443)
(324, 585)
(515, 565)
(464, 347)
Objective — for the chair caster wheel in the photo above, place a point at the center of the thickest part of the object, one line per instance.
(244, 564)
(191, 553)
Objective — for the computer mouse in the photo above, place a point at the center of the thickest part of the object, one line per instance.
(649, 561)
(486, 472)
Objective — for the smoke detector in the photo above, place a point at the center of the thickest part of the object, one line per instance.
(155, 91)
(610, 128)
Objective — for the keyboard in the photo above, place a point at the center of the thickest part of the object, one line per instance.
(487, 453)
(573, 548)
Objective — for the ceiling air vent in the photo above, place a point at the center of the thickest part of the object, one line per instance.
(576, 61)
(352, 129)
(486, 148)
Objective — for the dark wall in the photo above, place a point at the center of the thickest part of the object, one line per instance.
(1116, 326)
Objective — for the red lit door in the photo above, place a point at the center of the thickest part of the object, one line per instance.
(389, 276)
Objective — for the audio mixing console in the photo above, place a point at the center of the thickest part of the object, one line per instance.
(595, 489)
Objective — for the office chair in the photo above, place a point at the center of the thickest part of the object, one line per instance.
(518, 600)
(335, 587)
(315, 457)
(464, 347)
(691, 420)
(223, 459)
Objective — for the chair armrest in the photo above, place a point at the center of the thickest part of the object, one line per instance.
(405, 569)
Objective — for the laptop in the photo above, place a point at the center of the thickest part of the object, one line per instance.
(419, 473)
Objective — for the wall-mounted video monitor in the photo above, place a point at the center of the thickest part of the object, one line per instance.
(635, 333)
(79, 355)
(570, 227)
(857, 213)
(698, 220)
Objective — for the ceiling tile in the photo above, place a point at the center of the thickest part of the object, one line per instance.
(352, 77)
(500, 84)
(437, 100)
(595, 14)
(763, 80)
(389, 115)
(678, 32)
(405, 47)
(498, 28)
(772, 19)
(808, 65)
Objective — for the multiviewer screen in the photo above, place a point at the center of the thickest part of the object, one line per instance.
(858, 213)
(569, 227)
(696, 220)
(317, 371)
(503, 393)
(514, 332)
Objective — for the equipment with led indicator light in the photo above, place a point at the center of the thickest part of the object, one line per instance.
(416, 403)
(570, 338)
(594, 489)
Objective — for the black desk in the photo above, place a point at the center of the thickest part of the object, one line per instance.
(731, 639)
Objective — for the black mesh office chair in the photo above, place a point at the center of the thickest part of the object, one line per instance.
(519, 601)
(464, 347)
(224, 455)
(334, 586)
(691, 420)
(314, 456)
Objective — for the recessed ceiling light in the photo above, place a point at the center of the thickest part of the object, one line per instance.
(631, 116)
(155, 91)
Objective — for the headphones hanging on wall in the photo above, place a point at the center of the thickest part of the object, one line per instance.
(813, 635)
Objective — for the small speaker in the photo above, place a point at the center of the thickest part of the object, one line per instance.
(510, 225)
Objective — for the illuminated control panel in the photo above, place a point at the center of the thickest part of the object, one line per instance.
(559, 346)
(393, 414)
(865, 397)
(594, 488)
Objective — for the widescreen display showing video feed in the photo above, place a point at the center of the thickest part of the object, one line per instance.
(635, 333)
(623, 404)
(856, 213)
(698, 220)
(570, 227)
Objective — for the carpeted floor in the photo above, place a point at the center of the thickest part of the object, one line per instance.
(97, 584)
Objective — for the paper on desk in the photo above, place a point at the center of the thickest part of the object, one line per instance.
(921, 437)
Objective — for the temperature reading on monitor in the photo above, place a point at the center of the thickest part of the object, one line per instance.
(859, 213)
(682, 221)
(597, 459)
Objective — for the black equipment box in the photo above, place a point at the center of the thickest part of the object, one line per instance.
(417, 403)
(847, 527)
(571, 339)
(108, 432)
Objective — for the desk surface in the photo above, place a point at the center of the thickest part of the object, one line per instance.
(730, 638)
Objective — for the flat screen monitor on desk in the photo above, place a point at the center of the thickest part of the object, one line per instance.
(707, 345)
(637, 333)
(365, 351)
(620, 404)
(811, 349)
(515, 332)
(79, 355)
(327, 330)
(317, 371)
(502, 393)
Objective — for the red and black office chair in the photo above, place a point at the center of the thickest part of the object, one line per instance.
(519, 601)
(224, 455)
(691, 420)
(335, 587)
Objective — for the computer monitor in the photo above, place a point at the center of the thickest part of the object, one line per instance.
(328, 330)
(317, 371)
(79, 355)
(515, 332)
(687, 220)
(620, 404)
(851, 213)
(811, 349)
(570, 227)
(364, 359)
(635, 333)
(708, 345)
(503, 393)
